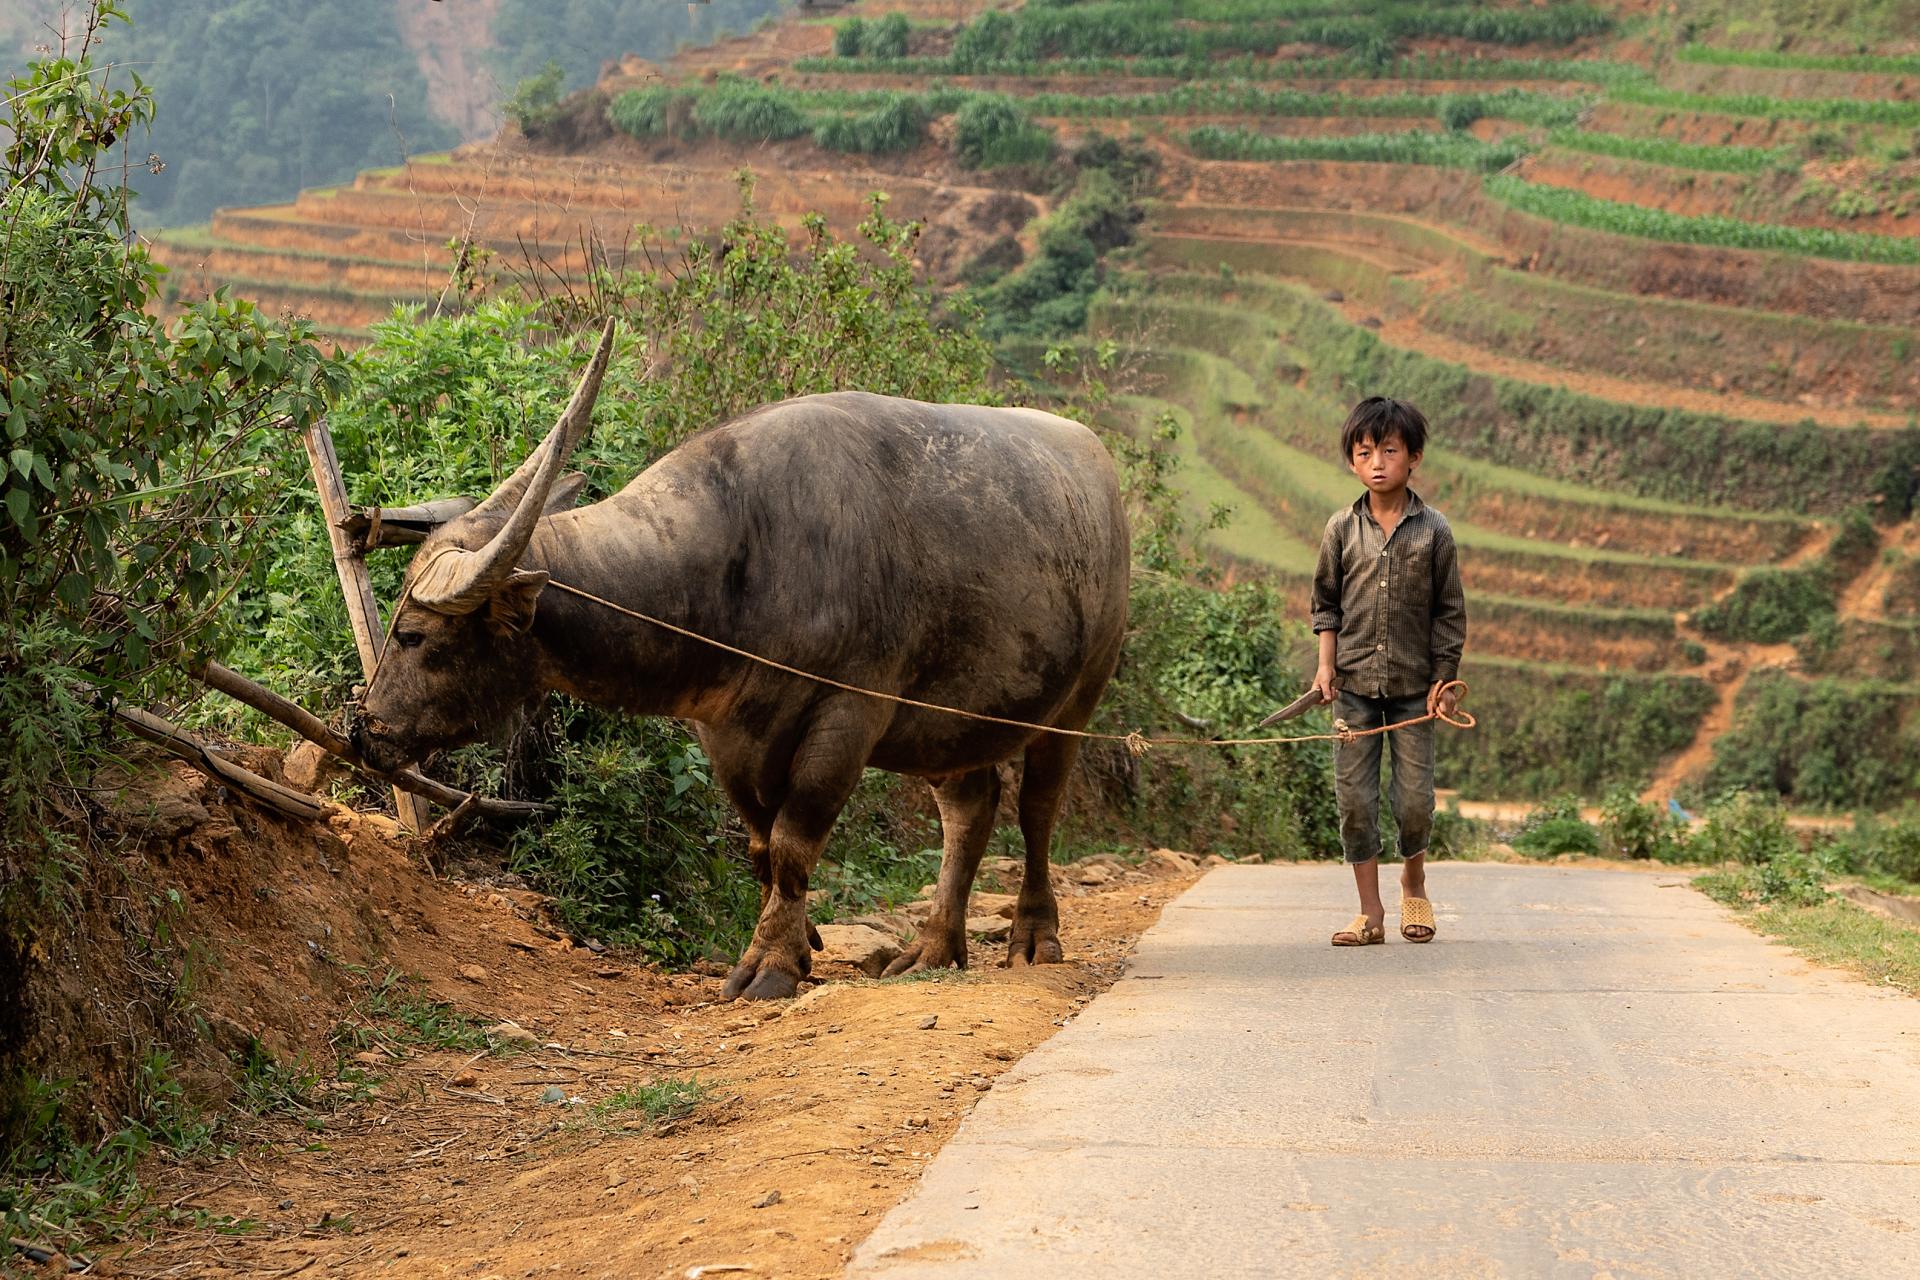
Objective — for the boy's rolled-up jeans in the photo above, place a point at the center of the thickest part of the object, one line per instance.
(1356, 775)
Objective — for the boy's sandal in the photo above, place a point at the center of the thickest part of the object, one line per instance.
(1360, 934)
(1416, 920)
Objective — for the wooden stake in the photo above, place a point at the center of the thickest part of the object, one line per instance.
(362, 608)
(281, 799)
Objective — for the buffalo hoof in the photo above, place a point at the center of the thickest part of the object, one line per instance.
(929, 953)
(1033, 944)
(763, 978)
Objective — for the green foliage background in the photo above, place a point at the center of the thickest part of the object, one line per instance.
(263, 98)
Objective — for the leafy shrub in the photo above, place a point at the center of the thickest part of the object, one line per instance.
(1456, 836)
(657, 112)
(1557, 836)
(1745, 829)
(536, 100)
(994, 130)
(850, 38)
(1884, 844)
(1049, 296)
(1819, 742)
(747, 112)
(138, 463)
(897, 125)
(1769, 606)
(888, 37)
(1629, 829)
(1458, 111)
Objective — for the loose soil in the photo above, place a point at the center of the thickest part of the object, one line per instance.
(454, 1165)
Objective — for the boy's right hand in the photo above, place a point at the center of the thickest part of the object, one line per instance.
(1325, 684)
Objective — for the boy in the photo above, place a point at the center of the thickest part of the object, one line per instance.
(1391, 621)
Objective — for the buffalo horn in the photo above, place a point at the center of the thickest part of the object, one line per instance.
(455, 580)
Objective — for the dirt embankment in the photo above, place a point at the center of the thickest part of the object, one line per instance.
(557, 1151)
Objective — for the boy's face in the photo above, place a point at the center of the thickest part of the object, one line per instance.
(1383, 465)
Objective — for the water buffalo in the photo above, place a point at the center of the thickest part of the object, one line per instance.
(959, 555)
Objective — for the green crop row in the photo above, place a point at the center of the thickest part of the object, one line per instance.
(1452, 150)
(1557, 24)
(753, 113)
(1825, 110)
(1708, 55)
(1678, 155)
(1562, 204)
(1457, 110)
(1419, 66)
(1159, 29)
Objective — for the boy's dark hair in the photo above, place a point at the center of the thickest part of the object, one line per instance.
(1376, 418)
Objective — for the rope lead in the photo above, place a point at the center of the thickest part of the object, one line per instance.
(1137, 743)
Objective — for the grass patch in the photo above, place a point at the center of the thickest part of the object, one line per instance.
(1834, 932)
(651, 1105)
(396, 1015)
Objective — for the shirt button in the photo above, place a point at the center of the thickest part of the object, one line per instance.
(1381, 647)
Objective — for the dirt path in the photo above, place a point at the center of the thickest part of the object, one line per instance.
(814, 1115)
(1589, 1073)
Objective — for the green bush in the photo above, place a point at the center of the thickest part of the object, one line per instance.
(994, 130)
(888, 37)
(850, 38)
(1884, 844)
(746, 112)
(1456, 836)
(657, 112)
(141, 465)
(1820, 742)
(1745, 829)
(1769, 606)
(1048, 297)
(536, 100)
(1629, 829)
(1558, 836)
(897, 125)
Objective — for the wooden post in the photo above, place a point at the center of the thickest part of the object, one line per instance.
(362, 608)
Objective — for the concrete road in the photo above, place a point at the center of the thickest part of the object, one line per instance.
(1590, 1073)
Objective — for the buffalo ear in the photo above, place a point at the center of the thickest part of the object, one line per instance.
(510, 608)
(566, 491)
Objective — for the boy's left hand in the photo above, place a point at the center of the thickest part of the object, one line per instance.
(1442, 700)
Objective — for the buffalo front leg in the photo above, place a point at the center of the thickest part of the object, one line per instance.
(967, 807)
(1036, 914)
(760, 854)
(824, 772)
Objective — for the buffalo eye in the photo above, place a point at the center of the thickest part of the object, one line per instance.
(410, 639)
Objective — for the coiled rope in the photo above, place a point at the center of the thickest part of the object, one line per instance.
(1137, 743)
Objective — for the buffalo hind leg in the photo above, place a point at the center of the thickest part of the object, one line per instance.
(825, 770)
(968, 804)
(1043, 786)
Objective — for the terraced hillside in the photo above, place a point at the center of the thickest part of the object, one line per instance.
(1659, 299)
